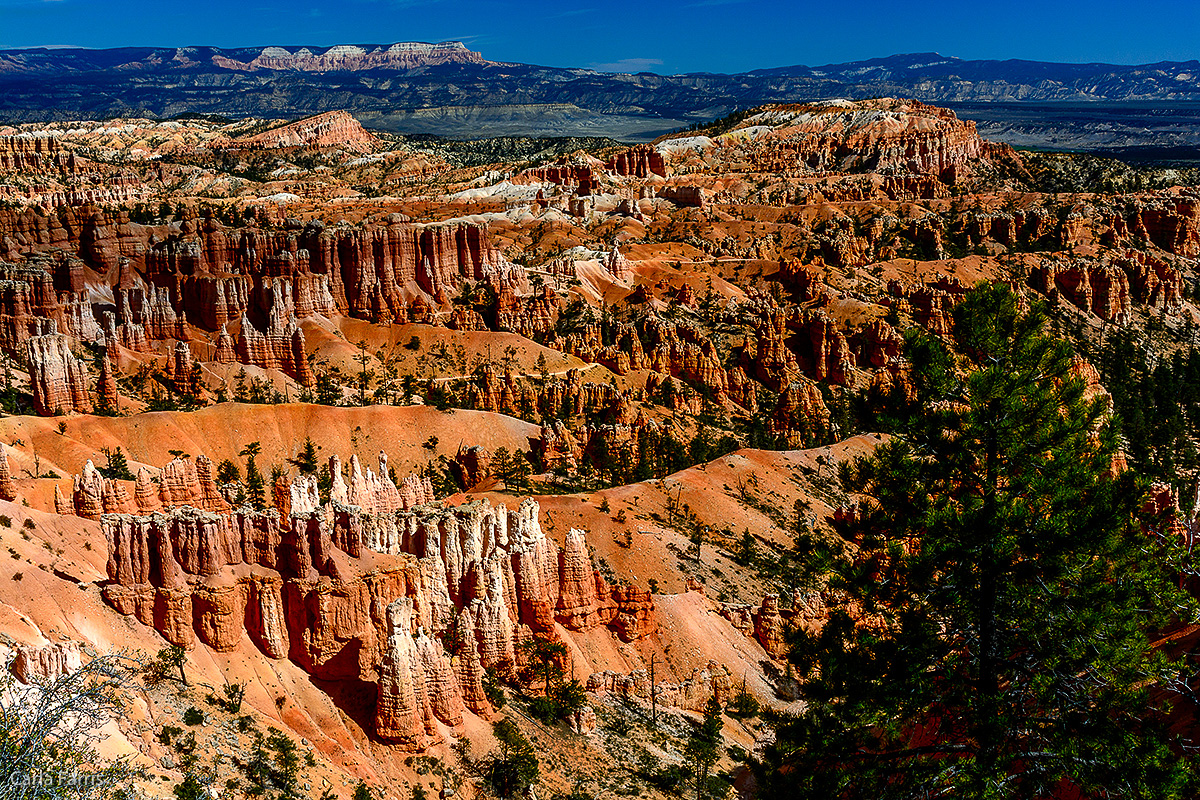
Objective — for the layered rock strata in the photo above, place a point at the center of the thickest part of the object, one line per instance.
(58, 381)
(446, 594)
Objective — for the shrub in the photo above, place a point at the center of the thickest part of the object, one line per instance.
(169, 733)
(228, 472)
(514, 767)
(66, 718)
(493, 690)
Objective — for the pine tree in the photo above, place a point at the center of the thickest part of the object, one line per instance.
(703, 748)
(306, 460)
(501, 465)
(117, 466)
(255, 485)
(258, 768)
(514, 766)
(519, 470)
(993, 640)
(228, 472)
(190, 789)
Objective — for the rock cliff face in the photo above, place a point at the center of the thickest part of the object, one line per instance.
(348, 57)
(416, 683)
(280, 346)
(34, 154)
(1109, 289)
(331, 129)
(640, 161)
(375, 272)
(214, 275)
(691, 694)
(58, 381)
(31, 303)
(8, 490)
(886, 136)
(491, 559)
(446, 592)
(46, 663)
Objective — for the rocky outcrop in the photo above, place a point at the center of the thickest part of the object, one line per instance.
(280, 347)
(578, 601)
(581, 177)
(44, 664)
(531, 316)
(557, 447)
(690, 694)
(583, 721)
(500, 566)
(179, 560)
(376, 493)
(58, 381)
(184, 483)
(639, 161)
(472, 466)
(885, 136)
(108, 396)
(331, 129)
(8, 490)
(1102, 290)
(770, 629)
(179, 370)
(353, 58)
(150, 310)
(36, 154)
(619, 267)
(685, 195)
(771, 625)
(801, 418)
(831, 358)
(180, 483)
(769, 359)
(447, 593)
(94, 495)
(416, 684)
(877, 345)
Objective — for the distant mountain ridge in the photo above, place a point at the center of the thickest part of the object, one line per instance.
(447, 89)
(934, 77)
(337, 58)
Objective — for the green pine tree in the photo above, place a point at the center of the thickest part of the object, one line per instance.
(501, 465)
(703, 747)
(514, 766)
(255, 485)
(117, 466)
(306, 460)
(994, 636)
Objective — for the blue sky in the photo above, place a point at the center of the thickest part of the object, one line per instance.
(664, 36)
